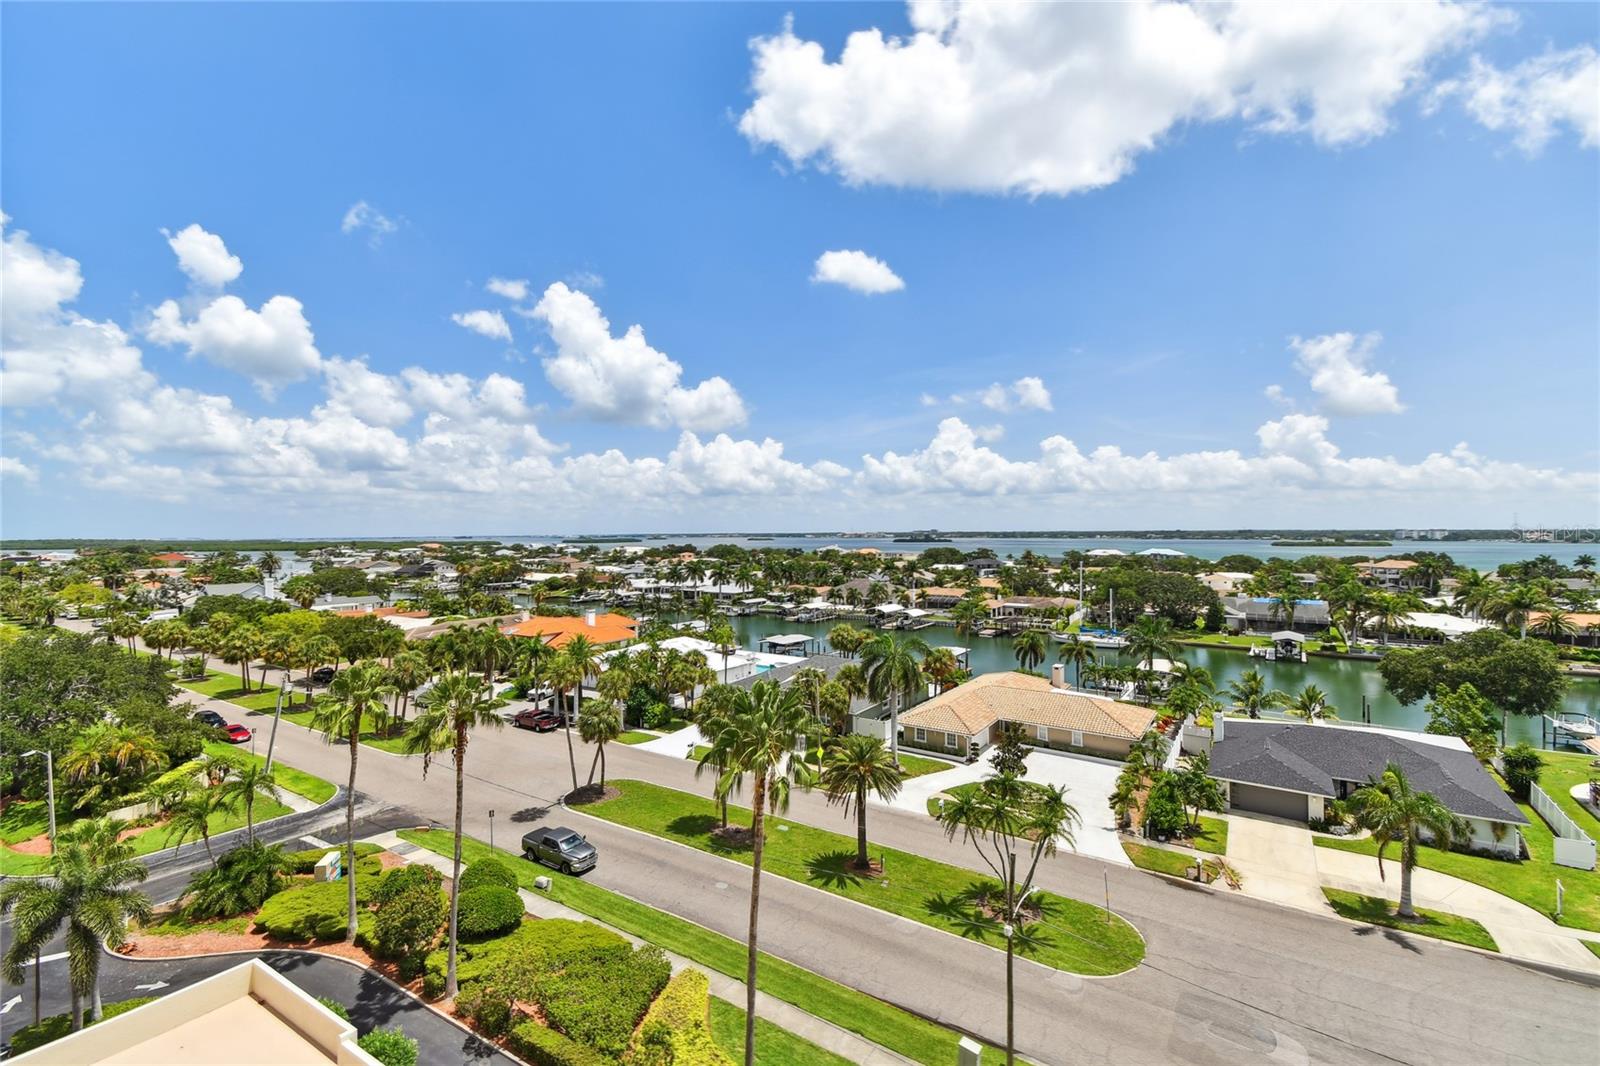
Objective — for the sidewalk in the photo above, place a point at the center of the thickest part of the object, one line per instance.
(786, 1016)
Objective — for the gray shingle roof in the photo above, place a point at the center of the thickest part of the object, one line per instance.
(1310, 758)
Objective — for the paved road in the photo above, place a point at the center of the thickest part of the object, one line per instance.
(1226, 979)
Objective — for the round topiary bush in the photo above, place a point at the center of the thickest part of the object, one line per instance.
(488, 910)
(402, 879)
(488, 872)
(390, 1047)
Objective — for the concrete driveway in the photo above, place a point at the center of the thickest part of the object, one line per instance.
(1088, 783)
(1277, 859)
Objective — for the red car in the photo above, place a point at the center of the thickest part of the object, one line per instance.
(237, 734)
(538, 721)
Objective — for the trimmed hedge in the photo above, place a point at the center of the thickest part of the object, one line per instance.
(487, 1007)
(406, 926)
(304, 862)
(315, 911)
(57, 1026)
(598, 1001)
(488, 872)
(676, 1030)
(401, 879)
(487, 910)
(546, 1047)
(546, 944)
(390, 1047)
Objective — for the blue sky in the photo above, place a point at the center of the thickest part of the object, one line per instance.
(1127, 260)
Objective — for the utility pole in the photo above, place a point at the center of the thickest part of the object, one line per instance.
(49, 790)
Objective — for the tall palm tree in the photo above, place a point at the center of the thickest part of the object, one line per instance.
(969, 614)
(1079, 653)
(240, 645)
(191, 816)
(579, 659)
(1250, 694)
(314, 652)
(1029, 648)
(457, 704)
(355, 702)
(87, 891)
(1474, 592)
(721, 635)
(599, 727)
(407, 671)
(249, 780)
(1311, 703)
(765, 724)
(1516, 604)
(1390, 610)
(1150, 638)
(1555, 624)
(852, 767)
(893, 675)
(1393, 812)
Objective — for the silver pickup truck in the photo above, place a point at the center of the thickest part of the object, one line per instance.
(560, 847)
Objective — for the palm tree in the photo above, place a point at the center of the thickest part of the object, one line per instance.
(893, 674)
(1474, 592)
(1584, 564)
(407, 671)
(1311, 703)
(579, 659)
(249, 780)
(1555, 624)
(458, 703)
(88, 892)
(1151, 638)
(1514, 607)
(852, 767)
(191, 818)
(969, 614)
(599, 727)
(240, 645)
(942, 668)
(1395, 813)
(1079, 653)
(726, 642)
(1029, 648)
(314, 652)
(846, 639)
(269, 563)
(765, 724)
(108, 753)
(355, 701)
(1390, 610)
(1250, 694)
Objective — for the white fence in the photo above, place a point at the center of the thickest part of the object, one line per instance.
(1574, 847)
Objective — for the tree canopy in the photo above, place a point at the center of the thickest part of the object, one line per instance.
(1518, 676)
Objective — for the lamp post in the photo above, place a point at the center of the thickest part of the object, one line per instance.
(491, 828)
(49, 790)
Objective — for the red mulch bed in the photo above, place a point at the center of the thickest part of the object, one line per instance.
(592, 794)
(39, 845)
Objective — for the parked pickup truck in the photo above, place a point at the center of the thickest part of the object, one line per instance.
(560, 847)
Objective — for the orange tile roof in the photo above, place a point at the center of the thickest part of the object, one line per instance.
(381, 612)
(972, 707)
(556, 630)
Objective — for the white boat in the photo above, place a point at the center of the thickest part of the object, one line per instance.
(1063, 637)
(1580, 727)
(1106, 641)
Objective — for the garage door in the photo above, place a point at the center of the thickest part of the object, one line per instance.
(1273, 801)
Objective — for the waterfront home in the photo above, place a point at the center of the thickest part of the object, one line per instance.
(1224, 582)
(603, 630)
(1264, 614)
(1391, 575)
(1291, 770)
(967, 718)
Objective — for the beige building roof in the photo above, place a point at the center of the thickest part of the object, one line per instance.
(972, 707)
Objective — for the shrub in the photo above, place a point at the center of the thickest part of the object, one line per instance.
(406, 925)
(304, 862)
(243, 879)
(335, 1006)
(533, 948)
(598, 1001)
(534, 1043)
(487, 1006)
(315, 911)
(1522, 767)
(676, 1030)
(390, 1047)
(402, 879)
(487, 910)
(488, 872)
(1163, 808)
(57, 1026)
(433, 984)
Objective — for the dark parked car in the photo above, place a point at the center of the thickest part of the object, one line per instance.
(237, 734)
(322, 675)
(211, 718)
(538, 721)
(560, 847)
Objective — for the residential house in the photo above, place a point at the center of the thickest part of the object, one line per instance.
(1391, 575)
(1224, 582)
(602, 630)
(1265, 614)
(966, 718)
(1291, 770)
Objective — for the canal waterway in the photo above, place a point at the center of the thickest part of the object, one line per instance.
(1345, 681)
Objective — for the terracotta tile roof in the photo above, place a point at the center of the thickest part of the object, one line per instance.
(971, 708)
(556, 630)
(382, 612)
(1387, 564)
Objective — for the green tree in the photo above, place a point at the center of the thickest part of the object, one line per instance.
(1522, 764)
(459, 703)
(107, 757)
(1029, 648)
(88, 891)
(355, 702)
(894, 675)
(1394, 813)
(765, 723)
(1079, 653)
(1311, 703)
(579, 659)
(191, 816)
(853, 767)
(599, 727)
(1517, 676)
(1250, 694)
(302, 589)
(1466, 714)
(1010, 750)
(1197, 789)
(1151, 638)
(1513, 607)
(249, 780)
(1004, 820)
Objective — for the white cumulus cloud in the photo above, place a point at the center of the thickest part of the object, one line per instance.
(1535, 99)
(203, 256)
(11, 468)
(623, 379)
(510, 288)
(272, 347)
(490, 324)
(993, 96)
(1336, 365)
(1026, 394)
(362, 216)
(856, 270)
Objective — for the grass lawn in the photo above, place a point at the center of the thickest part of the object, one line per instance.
(1561, 771)
(882, 1023)
(917, 765)
(1071, 936)
(299, 782)
(774, 1046)
(177, 925)
(970, 787)
(1437, 924)
(633, 736)
(1212, 837)
(1593, 946)
(1531, 882)
(1159, 860)
(57, 1026)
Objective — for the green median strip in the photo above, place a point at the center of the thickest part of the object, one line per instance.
(774, 1046)
(1159, 860)
(289, 779)
(1441, 926)
(1071, 935)
(877, 1021)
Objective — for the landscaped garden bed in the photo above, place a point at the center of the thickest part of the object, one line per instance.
(1375, 910)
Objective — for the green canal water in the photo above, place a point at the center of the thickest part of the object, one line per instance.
(1345, 681)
